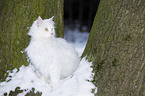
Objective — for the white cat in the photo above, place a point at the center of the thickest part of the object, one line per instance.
(52, 58)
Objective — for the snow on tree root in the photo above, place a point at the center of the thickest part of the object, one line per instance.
(74, 85)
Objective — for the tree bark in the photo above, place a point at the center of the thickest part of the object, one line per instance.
(116, 46)
(16, 16)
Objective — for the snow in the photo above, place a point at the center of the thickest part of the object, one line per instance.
(74, 85)
(78, 84)
(77, 39)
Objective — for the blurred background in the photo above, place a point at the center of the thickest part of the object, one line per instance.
(80, 13)
(78, 20)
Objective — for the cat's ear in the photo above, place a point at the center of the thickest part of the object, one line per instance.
(39, 21)
(51, 18)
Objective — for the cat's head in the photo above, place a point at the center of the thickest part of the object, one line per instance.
(42, 28)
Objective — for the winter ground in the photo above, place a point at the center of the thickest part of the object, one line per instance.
(75, 85)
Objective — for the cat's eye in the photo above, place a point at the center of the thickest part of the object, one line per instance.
(46, 29)
(51, 29)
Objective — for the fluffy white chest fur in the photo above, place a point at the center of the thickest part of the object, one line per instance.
(52, 58)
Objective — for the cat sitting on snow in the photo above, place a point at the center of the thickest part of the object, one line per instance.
(52, 58)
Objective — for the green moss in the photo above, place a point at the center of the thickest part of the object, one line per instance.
(17, 91)
(114, 62)
(99, 65)
(128, 37)
(103, 46)
(144, 93)
(32, 93)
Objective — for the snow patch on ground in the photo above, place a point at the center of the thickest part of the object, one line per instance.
(74, 85)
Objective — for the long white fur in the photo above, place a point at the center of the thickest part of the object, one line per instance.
(52, 58)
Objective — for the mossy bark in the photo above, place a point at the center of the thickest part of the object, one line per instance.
(16, 16)
(116, 46)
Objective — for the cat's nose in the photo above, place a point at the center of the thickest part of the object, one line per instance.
(51, 33)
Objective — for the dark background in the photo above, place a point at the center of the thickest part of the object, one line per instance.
(80, 13)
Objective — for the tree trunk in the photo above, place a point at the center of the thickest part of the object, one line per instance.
(116, 46)
(16, 16)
